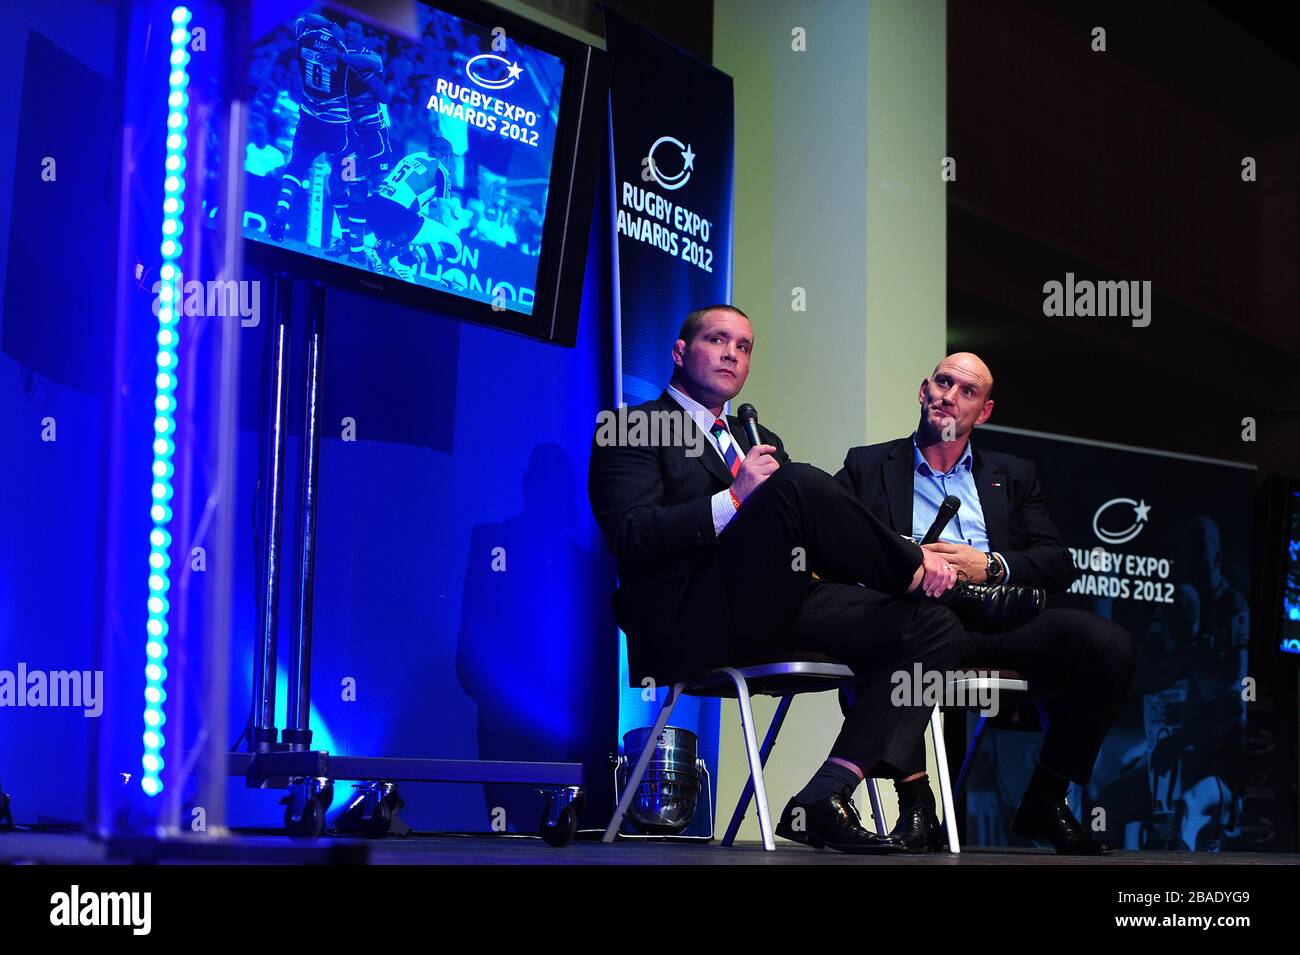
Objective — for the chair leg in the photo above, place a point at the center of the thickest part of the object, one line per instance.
(971, 750)
(755, 762)
(877, 811)
(643, 760)
(945, 784)
(742, 805)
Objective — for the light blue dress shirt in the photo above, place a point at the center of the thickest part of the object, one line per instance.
(930, 487)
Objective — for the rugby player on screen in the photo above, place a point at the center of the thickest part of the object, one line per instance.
(321, 86)
(369, 153)
(403, 211)
(368, 102)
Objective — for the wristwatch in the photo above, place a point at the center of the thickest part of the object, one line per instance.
(993, 570)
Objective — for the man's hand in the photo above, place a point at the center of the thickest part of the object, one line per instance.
(935, 576)
(754, 470)
(971, 564)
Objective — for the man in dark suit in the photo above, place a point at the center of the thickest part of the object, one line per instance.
(1003, 534)
(717, 543)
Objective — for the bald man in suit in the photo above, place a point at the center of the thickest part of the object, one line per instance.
(1001, 535)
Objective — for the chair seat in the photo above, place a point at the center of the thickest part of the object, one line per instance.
(1001, 679)
(1005, 673)
(777, 674)
(788, 656)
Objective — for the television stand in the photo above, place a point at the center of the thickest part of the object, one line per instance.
(285, 760)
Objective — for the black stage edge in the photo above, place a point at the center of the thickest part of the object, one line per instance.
(235, 850)
(34, 847)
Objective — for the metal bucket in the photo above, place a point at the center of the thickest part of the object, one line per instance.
(670, 790)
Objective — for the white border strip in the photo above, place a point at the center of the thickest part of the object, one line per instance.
(1117, 447)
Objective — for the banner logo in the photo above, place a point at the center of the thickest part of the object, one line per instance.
(513, 70)
(1140, 511)
(688, 164)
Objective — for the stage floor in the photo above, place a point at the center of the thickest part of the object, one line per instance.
(79, 849)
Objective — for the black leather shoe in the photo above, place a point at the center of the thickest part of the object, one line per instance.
(832, 822)
(994, 609)
(1053, 823)
(917, 829)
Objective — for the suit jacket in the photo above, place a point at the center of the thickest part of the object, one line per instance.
(653, 507)
(1015, 511)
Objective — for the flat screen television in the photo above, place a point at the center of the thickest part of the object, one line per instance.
(453, 169)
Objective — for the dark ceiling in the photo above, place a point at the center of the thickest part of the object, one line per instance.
(1126, 165)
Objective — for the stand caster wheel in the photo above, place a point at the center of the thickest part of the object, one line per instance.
(373, 811)
(375, 826)
(305, 804)
(310, 825)
(564, 829)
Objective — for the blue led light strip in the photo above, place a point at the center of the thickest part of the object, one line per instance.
(169, 298)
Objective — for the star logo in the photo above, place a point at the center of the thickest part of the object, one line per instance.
(675, 180)
(1107, 534)
(485, 71)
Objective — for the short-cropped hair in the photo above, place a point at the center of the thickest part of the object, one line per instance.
(694, 319)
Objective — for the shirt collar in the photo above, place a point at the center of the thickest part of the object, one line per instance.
(920, 464)
(701, 415)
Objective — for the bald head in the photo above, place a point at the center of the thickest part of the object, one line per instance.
(969, 366)
(955, 400)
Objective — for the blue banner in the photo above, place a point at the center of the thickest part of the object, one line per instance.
(672, 181)
(1196, 758)
(672, 135)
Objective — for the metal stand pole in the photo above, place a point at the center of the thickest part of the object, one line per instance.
(297, 732)
(263, 735)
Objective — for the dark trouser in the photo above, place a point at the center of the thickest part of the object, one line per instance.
(798, 521)
(1084, 663)
(878, 636)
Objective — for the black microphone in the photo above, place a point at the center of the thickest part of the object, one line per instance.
(749, 418)
(947, 510)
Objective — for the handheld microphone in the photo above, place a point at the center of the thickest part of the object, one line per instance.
(749, 417)
(947, 510)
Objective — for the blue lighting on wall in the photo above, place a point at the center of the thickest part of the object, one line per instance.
(167, 308)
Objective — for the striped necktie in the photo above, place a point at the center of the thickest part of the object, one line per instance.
(729, 452)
